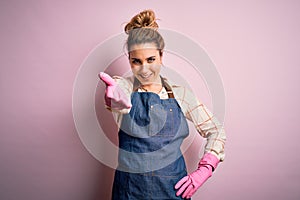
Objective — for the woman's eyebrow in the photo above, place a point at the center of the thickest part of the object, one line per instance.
(134, 58)
(140, 59)
(150, 57)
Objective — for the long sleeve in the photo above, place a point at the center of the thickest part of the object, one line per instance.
(205, 122)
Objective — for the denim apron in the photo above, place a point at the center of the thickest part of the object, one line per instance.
(150, 159)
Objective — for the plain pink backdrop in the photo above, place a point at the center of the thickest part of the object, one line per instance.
(254, 44)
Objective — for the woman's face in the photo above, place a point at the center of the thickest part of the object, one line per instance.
(145, 61)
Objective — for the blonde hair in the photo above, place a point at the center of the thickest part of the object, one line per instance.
(142, 29)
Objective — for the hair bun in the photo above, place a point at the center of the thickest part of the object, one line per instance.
(145, 19)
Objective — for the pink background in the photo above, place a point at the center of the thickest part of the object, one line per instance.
(254, 44)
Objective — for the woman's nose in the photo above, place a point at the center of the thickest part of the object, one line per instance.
(144, 67)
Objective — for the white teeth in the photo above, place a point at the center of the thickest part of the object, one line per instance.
(145, 75)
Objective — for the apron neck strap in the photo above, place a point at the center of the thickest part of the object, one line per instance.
(137, 84)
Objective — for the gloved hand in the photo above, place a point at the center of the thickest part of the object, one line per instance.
(189, 184)
(114, 97)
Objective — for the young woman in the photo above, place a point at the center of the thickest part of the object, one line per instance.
(152, 115)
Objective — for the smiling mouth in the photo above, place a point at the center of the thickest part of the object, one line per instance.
(145, 76)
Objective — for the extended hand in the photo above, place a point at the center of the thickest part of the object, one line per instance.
(114, 96)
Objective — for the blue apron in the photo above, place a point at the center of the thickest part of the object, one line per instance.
(150, 159)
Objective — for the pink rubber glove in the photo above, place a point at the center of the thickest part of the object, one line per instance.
(189, 184)
(114, 96)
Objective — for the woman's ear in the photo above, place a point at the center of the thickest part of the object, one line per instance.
(161, 55)
(129, 58)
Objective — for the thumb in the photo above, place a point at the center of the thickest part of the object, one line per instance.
(107, 79)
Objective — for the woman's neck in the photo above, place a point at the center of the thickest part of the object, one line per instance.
(154, 87)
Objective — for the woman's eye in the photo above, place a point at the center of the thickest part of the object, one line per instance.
(136, 61)
(150, 60)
